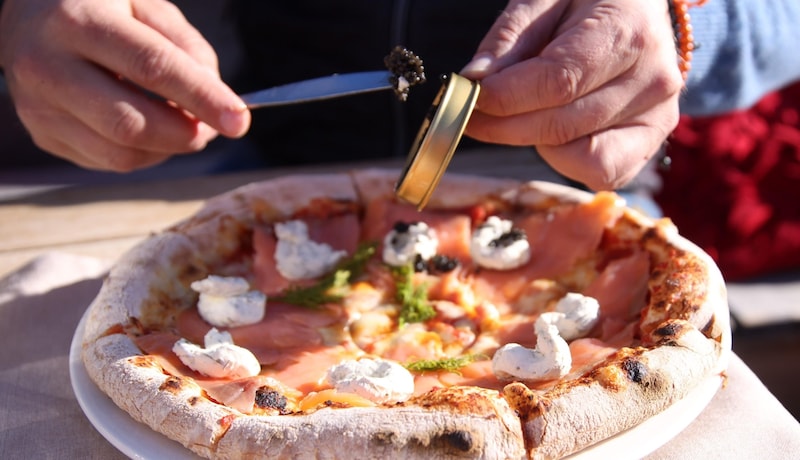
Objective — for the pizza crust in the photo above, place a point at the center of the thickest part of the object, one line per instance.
(629, 387)
(486, 429)
(173, 406)
(633, 385)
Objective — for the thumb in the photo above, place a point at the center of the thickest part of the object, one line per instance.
(520, 32)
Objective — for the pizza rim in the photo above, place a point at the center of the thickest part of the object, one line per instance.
(119, 297)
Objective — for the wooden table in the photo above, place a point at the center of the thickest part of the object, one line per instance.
(39, 416)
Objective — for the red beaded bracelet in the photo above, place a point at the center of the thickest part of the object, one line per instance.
(684, 39)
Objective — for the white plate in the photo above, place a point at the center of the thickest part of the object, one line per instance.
(138, 441)
(134, 439)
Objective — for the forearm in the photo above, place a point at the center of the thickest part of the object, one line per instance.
(746, 48)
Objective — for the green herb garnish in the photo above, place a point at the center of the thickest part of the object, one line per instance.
(453, 365)
(333, 287)
(414, 304)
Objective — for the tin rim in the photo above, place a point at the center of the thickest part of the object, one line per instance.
(437, 139)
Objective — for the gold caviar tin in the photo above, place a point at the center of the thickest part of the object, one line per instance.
(437, 139)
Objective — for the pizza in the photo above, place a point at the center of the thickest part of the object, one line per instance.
(317, 316)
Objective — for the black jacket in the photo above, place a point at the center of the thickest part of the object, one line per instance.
(285, 41)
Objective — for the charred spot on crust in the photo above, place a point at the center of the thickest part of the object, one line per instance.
(670, 329)
(406, 68)
(453, 443)
(172, 384)
(459, 440)
(635, 370)
(267, 398)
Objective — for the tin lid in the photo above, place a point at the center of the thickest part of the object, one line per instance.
(437, 139)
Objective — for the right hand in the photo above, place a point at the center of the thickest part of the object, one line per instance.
(114, 84)
(593, 84)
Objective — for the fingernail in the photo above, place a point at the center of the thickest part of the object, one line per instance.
(234, 121)
(479, 66)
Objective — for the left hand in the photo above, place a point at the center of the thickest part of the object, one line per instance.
(593, 84)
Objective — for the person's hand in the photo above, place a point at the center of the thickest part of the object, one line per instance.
(114, 84)
(593, 84)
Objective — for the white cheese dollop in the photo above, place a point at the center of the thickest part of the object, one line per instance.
(574, 317)
(551, 359)
(378, 380)
(228, 301)
(579, 315)
(495, 246)
(405, 241)
(298, 257)
(220, 358)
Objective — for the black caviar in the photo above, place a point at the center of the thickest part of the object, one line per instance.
(404, 63)
(436, 265)
(507, 239)
(442, 264)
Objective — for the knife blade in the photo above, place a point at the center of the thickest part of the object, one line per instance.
(336, 85)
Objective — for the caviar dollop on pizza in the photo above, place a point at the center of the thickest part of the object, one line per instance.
(316, 316)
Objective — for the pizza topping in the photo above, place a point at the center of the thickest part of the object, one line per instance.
(220, 358)
(551, 359)
(574, 317)
(298, 257)
(453, 365)
(406, 242)
(228, 301)
(442, 264)
(579, 315)
(496, 244)
(333, 287)
(407, 70)
(414, 304)
(332, 398)
(378, 380)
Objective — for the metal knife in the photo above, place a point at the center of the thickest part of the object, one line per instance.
(336, 85)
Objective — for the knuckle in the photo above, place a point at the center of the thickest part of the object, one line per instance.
(667, 84)
(560, 84)
(150, 68)
(507, 28)
(127, 125)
